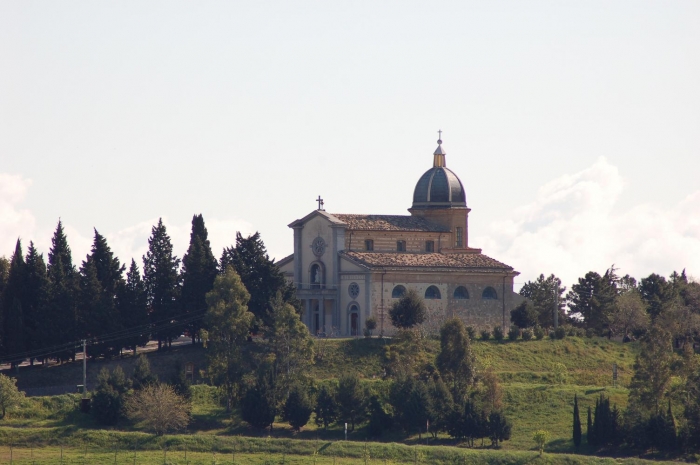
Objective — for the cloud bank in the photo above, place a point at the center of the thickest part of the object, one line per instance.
(573, 227)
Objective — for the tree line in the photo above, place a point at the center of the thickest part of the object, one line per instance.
(48, 305)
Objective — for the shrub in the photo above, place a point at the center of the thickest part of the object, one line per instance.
(560, 332)
(552, 336)
(471, 332)
(527, 334)
(10, 396)
(485, 334)
(159, 408)
(408, 311)
(498, 333)
(513, 333)
(142, 375)
(298, 407)
(370, 325)
(590, 332)
(108, 400)
(540, 437)
(539, 333)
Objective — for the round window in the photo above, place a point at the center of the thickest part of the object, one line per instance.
(354, 290)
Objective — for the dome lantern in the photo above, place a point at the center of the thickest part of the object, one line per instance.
(439, 187)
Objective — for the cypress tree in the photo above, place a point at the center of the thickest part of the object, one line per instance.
(36, 301)
(160, 274)
(577, 423)
(199, 269)
(13, 295)
(133, 309)
(60, 325)
(590, 434)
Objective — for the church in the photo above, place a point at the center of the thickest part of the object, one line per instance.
(348, 267)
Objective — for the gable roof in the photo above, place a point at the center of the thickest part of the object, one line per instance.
(323, 213)
(468, 261)
(389, 223)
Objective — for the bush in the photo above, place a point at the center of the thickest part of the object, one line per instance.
(539, 333)
(471, 332)
(298, 407)
(485, 334)
(498, 333)
(370, 325)
(527, 334)
(408, 311)
(560, 332)
(590, 332)
(513, 333)
(552, 336)
(108, 400)
(150, 404)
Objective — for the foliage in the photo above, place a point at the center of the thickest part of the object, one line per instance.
(513, 333)
(577, 424)
(159, 408)
(630, 314)
(258, 404)
(527, 334)
(499, 428)
(133, 309)
(298, 407)
(379, 419)
(199, 269)
(540, 437)
(227, 321)
(10, 396)
(455, 360)
(605, 428)
(162, 280)
(485, 334)
(351, 399)
(539, 333)
(408, 311)
(142, 376)
(498, 333)
(652, 371)
(546, 294)
(109, 396)
(261, 277)
(326, 410)
(593, 299)
(524, 315)
(370, 325)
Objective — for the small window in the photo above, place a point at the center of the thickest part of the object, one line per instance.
(429, 246)
(432, 293)
(400, 246)
(489, 294)
(459, 236)
(398, 292)
(369, 244)
(461, 293)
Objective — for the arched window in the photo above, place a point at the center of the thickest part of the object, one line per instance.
(432, 293)
(398, 292)
(461, 293)
(489, 294)
(316, 276)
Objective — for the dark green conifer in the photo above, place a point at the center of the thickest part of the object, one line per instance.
(577, 423)
(199, 269)
(13, 295)
(590, 434)
(133, 309)
(36, 302)
(162, 279)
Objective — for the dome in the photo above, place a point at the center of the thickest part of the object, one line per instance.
(439, 187)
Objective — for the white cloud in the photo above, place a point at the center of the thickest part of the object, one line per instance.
(14, 221)
(572, 227)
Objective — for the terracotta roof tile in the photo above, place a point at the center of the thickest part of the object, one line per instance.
(389, 223)
(428, 260)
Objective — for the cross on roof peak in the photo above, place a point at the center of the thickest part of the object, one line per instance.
(320, 202)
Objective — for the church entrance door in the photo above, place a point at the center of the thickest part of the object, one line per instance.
(353, 324)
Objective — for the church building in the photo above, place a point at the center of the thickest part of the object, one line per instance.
(348, 267)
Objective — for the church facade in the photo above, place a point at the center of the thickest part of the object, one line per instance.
(348, 267)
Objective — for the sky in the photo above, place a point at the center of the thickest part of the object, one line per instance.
(574, 126)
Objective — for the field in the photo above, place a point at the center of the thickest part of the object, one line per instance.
(536, 395)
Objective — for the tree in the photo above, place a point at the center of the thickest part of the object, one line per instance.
(133, 309)
(500, 428)
(577, 423)
(59, 325)
(408, 311)
(590, 434)
(326, 410)
(418, 408)
(546, 294)
(108, 399)
(260, 275)
(630, 313)
(540, 437)
(36, 300)
(226, 326)
(14, 293)
(258, 405)
(455, 360)
(379, 419)
(10, 396)
(525, 315)
(442, 405)
(652, 370)
(656, 292)
(297, 408)
(491, 393)
(593, 299)
(351, 399)
(199, 269)
(162, 280)
(370, 325)
(159, 408)
(142, 375)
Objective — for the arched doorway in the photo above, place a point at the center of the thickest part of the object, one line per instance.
(354, 320)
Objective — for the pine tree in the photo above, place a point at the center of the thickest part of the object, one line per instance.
(160, 274)
(133, 310)
(14, 294)
(326, 408)
(297, 408)
(577, 423)
(59, 327)
(260, 275)
(199, 269)
(590, 434)
(37, 299)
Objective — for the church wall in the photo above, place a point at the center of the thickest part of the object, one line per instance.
(386, 241)
(475, 311)
(315, 227)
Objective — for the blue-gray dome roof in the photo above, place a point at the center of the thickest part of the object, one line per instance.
(439, 187)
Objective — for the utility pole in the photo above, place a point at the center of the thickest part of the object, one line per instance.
(84, 370)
